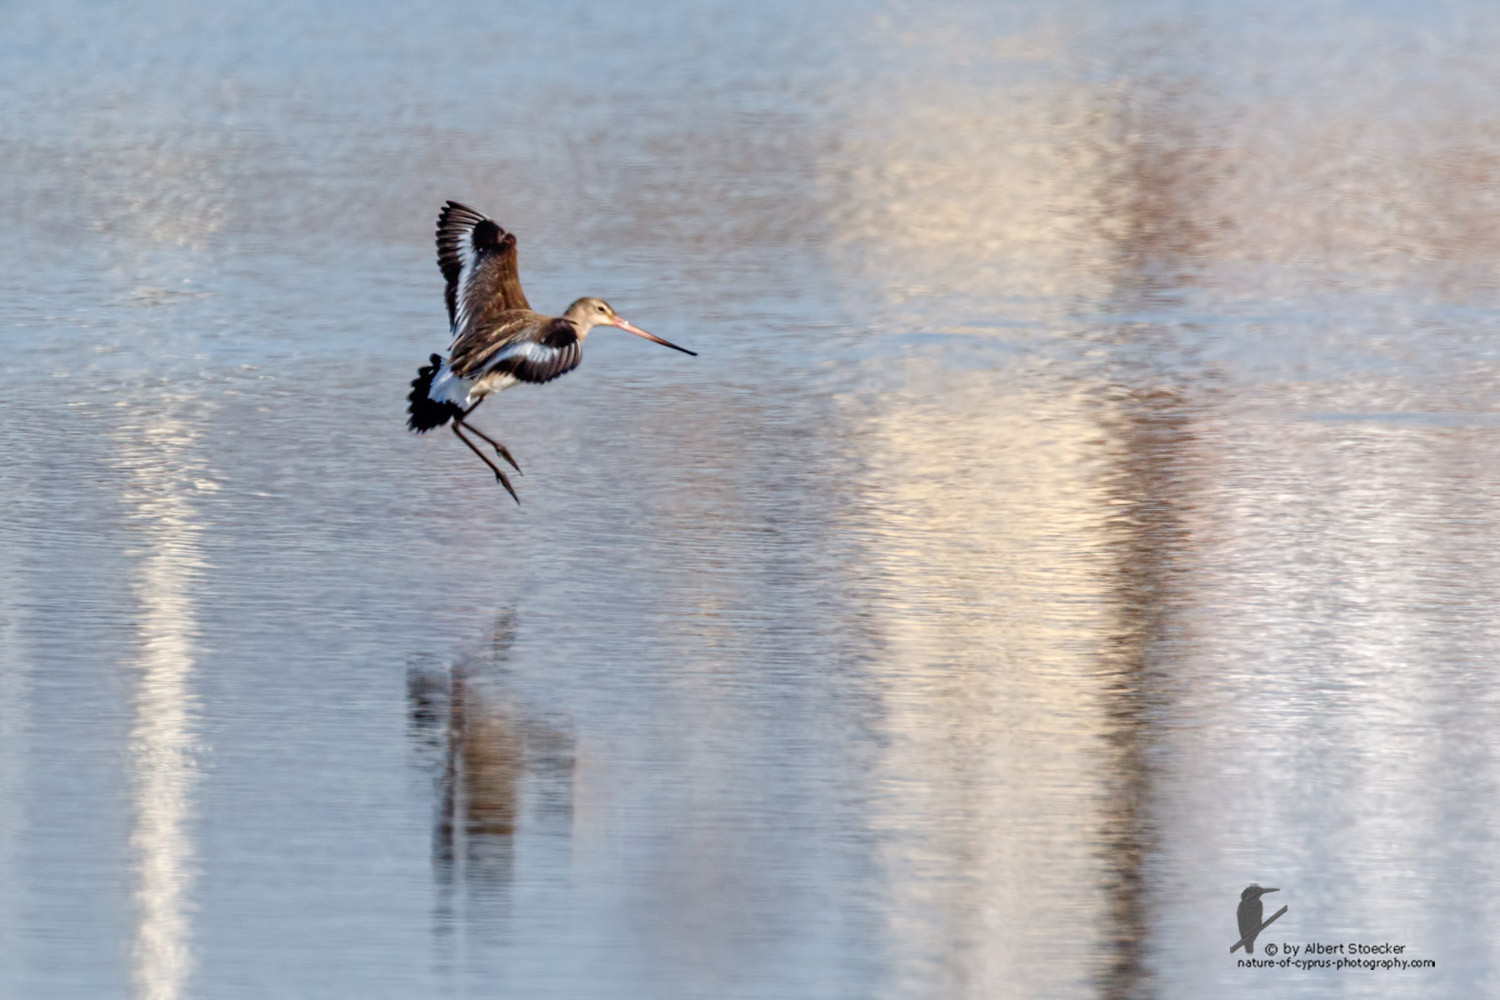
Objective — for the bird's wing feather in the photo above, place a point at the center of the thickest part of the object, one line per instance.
(504, 348)
(478, 261)
(476, 345)
(558, 353)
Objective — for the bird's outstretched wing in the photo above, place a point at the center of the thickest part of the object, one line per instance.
(492, 349)
(478, 261)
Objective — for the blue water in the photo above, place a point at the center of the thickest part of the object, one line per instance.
(1082, 506)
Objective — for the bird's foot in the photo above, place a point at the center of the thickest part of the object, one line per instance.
(504, 453)
(508, 488)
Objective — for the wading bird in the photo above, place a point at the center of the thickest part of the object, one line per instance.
(497, 339)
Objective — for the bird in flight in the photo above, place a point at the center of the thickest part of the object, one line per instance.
(497, 339)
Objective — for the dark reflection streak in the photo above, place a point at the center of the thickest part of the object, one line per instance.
(443, 829)
(1147, 208)
(1145, 536)
(429, 693)
(1154, 202)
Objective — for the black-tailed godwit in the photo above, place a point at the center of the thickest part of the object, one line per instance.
(497, 339)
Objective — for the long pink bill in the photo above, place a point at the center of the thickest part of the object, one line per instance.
(632, 328)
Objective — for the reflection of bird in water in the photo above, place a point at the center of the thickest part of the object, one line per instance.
(497, 339)
(479, 771)
(484, 748)
(1250, 913)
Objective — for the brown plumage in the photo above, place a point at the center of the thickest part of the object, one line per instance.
(475, 349)
(495, 286)
(498, 340)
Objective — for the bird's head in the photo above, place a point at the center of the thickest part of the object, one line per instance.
(590, 312)
(1253, 891)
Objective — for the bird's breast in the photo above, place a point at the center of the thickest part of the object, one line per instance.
(493, 382)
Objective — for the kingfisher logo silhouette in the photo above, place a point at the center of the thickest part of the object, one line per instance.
(1249, 914)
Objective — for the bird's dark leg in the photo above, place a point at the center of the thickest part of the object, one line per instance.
(485, 459)
(500, 449)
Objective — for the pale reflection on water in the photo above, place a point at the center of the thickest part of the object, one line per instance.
(1083, 504)
(157, 456)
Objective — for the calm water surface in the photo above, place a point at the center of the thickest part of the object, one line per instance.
(1085, 502)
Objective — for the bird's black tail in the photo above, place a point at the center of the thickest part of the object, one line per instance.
(425, 413)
